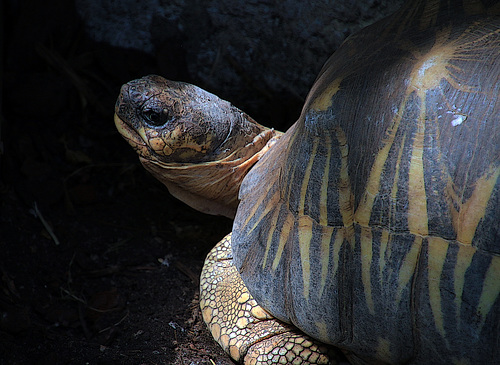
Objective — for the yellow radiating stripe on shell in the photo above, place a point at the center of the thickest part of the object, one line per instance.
(430, 68)
(322, 330)
(464, 259)
(272, 230)
(471, 212)
(417, 200)
(438, 247)
(307, 176)
(366, 261)
(364, 210)
(384, 350)
(271, 204)
(491, 289)
(305, 225)
(408, 266)
(305, 238)
(323, 204)
(394, 190)
(324, 100)
(385, 248)
(326, 238)
(285, 231)
(251, 214)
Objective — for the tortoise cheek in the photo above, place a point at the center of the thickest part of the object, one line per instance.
(180, 144)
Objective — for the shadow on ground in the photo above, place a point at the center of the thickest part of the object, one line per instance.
(98, 263)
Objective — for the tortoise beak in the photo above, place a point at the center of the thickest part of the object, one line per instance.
(135, 137)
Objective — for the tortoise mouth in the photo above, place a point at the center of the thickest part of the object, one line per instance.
(135, 138)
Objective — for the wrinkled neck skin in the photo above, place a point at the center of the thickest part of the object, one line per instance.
(212, 187)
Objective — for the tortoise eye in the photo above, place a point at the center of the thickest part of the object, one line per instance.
(156, 118)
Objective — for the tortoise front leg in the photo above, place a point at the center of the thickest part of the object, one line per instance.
(242, 327)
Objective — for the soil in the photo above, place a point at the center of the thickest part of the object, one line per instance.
(98, 263)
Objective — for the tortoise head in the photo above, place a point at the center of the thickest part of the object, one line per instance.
(197, 144)
(173, 121)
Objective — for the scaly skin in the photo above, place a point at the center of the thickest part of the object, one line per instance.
(244, 330)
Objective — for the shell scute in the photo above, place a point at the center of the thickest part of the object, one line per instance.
(386, 200)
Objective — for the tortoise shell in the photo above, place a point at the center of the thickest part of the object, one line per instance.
(373, 224)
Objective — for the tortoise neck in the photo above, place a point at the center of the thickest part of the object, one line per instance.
(214, 190)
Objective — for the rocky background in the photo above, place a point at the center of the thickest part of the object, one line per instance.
(261, 54)
(98, 263)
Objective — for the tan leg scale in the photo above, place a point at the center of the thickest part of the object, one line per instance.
(244, 329)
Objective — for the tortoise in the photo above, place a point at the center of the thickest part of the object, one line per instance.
(372, 226)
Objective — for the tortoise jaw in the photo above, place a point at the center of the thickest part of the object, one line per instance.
(136, 138)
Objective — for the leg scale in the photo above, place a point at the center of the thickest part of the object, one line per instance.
(243, 328)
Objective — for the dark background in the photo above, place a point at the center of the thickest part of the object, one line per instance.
(98, 263)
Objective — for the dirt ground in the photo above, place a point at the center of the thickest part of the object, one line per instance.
(98, 263)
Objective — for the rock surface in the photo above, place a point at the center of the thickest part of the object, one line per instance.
(236, 48)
